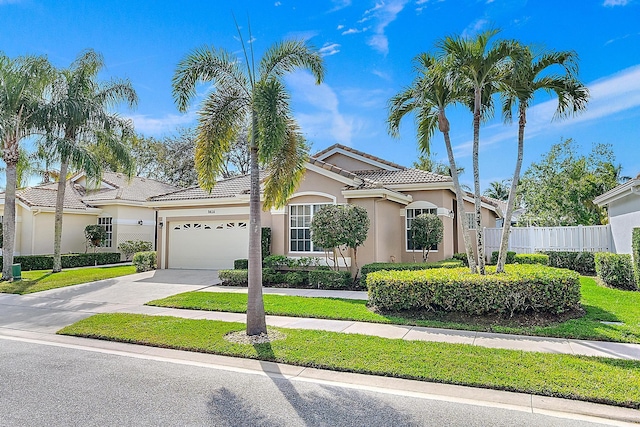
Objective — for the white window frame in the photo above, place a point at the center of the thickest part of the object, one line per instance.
(107, 223)
(407, 225)
(470, 217)
(312, 210)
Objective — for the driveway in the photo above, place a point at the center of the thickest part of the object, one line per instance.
(49, 311)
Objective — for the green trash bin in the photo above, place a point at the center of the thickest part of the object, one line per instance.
(16, 271)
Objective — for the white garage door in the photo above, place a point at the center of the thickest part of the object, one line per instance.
(207, 244)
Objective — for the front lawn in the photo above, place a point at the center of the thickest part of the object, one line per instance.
(603, 380)
(600, 304)
(43, 280)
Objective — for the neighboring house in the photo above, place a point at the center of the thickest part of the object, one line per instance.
(198, 229)
(623, 206)
(117, 203)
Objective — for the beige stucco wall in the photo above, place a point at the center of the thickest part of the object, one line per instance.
(38, 232)
(125, 224)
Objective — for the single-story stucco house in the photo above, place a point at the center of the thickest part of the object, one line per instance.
(202, 230)
(623, 207)
(119, 204)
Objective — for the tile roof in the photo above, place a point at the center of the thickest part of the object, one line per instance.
(137, 190)
(45, 196)
(229, 187)
(403, 176)
(359, 153)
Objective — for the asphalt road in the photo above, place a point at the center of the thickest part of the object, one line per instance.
(43, 385)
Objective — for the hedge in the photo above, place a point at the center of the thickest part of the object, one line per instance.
(461, 256)
(392, 266)
(45, 262)
(582, 262)
(319, 279)
(541, 259)
(329, 279)
(511, 257)
(615, 270)
(635, 250)
(241, 264)
(144, 261)
(523, 288)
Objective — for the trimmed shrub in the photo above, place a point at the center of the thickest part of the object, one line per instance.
(241, 264)
(635, 250)
(266, 242)
(271, 277)
(615, 270)
(522, 288)
(234, 277)
(275, 261)
(541, 259)
(329, 279)
(296, 279)
(45, 262)
(130, 247)
(511, 257)
(582, 262)
(391, 266)
(144, 261)
(461, 256)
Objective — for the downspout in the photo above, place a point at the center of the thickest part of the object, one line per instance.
(33, 231)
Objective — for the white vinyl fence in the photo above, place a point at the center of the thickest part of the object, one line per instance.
(528, 240)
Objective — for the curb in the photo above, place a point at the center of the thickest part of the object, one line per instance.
(556, 407)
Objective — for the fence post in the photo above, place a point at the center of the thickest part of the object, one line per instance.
(532, 240)
(581, 237)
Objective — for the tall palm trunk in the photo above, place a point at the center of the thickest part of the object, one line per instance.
(443, 124)
(506, 227)
(256, 323)
(476, 179)
(11, 156)
(57, 233)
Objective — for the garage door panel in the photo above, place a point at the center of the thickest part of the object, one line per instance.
(207, 244)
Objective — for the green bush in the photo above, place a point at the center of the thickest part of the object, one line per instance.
(276, 261)
(378, 266)
(271, 277)
(234, 277)
(522, 288)
(296, 279)
(329, 279)
(541, 259)
(511, 257)
(461, 256)
(582, 262)
(635, 249)
(45, 262)
(615, 270)
(241, 264)
(144, 261)
(266, 242)
(130, 247)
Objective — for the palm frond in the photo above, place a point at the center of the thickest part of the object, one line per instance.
(271, 104)
(289, 55)
(207, 64)
(286, 169)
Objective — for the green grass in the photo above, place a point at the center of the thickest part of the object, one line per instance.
(603, 380)
(600, 304)
(42, 280)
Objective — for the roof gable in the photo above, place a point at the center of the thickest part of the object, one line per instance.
(347, 157)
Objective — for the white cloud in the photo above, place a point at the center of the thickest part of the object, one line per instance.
(353, 31)
(474, 28)
(151, 126)
(366, 98)
(276, 4)
(325, 117)
(383, 14)
(339, 27)
(339, 4)
(381, 74)
(612, 3)
(329, 49)
(610, 96)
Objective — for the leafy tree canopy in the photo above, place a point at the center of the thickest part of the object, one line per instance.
(559, 190)
(427, 231)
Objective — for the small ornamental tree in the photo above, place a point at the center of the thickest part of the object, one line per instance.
(426, 231)
(95, 234)
(130, 247)
(336, 226)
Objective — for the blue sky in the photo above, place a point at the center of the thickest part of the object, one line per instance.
(368, 48)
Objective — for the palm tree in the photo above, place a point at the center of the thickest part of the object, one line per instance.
(23, 81)
(78, 117)
(498, 190)
(428, 97)
(481, 67)
(253, 92)
(529, 75)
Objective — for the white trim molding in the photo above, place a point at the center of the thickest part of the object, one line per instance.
(338, 150)
(314, 193)
(383, 193)
(332, 175)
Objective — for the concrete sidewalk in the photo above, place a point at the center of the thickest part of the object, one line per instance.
(46, 312)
